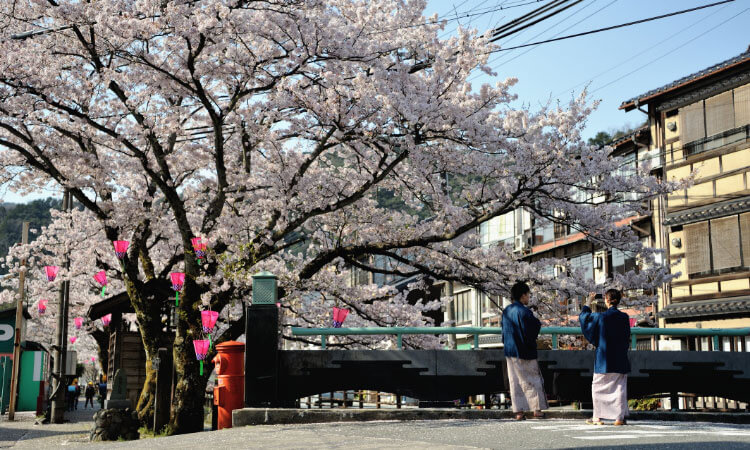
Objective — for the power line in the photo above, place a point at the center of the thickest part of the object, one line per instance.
(499, 35)
(670, 51)
(622, 25)
(566, 29)
(646, 50)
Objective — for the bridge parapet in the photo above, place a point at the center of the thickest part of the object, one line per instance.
(277, 377)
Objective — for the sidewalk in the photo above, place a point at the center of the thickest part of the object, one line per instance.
(23, 433)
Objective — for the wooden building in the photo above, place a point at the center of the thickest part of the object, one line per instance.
(700, 125)
(125, 346)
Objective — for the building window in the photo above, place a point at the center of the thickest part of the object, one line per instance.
(464, 308)
(714, 246)
(717, 121)
(543, 231)
(500, 228)
(584, 263)
(621, 262)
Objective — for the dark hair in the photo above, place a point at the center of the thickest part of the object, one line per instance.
(518, 289)
(614, 296)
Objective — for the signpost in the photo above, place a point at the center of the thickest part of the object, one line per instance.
(17, 337)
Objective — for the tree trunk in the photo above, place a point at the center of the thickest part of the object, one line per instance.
(189, 397)
(145, 406)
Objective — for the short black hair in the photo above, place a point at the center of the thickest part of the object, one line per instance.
(518, 289)
(614, 296)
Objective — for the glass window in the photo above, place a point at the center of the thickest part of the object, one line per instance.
(464, 308)
(584, 263)
(498, 228)
(621, 262)
(543, 231)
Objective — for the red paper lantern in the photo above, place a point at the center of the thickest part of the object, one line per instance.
(178, 280)
(201, 349)
(42, 306)
(339, 315)
(101, 278)
(121, 248)
(106, 319)
(79, 322)
(208, 320)
(51, 272)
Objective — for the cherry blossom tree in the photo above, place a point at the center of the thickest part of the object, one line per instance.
(269, 128)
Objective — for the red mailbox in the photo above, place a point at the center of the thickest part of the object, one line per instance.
(229, 393)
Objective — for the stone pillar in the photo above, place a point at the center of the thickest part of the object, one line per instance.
(261, 355)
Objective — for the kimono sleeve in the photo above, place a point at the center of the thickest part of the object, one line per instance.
(589, 325)
(532, 325)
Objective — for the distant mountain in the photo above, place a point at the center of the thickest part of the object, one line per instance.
(12, 216)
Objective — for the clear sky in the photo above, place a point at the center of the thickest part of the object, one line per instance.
(615, 65)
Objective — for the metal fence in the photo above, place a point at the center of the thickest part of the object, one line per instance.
(554, 332)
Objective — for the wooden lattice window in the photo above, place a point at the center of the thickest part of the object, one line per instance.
(725, 243)
(692, 126)
(745, 233)
(719, 113)
(742, 106)
(697, 248)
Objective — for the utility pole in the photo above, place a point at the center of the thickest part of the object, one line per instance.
(451, 315)
(17, 335)
(60, 347)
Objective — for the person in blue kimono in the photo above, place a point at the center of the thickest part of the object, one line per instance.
(520, 330)
(609, 332)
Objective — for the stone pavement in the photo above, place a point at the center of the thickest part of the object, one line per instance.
(447, 434)
(419, 434)
(23, 433)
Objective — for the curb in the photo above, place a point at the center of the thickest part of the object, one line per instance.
(284, 416)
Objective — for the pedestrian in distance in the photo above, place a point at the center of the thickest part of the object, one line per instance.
(520, 330)
(70, 394)
(89, 394)
(102, 390)
(609, 332)
(77, 394)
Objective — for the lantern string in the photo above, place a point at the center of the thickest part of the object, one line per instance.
(177, 298)
(201, 368)
(104, 288)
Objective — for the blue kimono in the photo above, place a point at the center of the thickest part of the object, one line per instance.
(520, 330)
(610, 333)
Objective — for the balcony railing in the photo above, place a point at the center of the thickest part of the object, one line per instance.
(715, 333)
(717, 140)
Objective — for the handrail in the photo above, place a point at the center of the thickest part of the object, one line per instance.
(476, 331)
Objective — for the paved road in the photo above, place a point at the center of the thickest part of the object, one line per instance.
(418, 435)
(23, 433)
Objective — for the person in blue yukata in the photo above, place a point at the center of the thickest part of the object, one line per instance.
(520, 330)
(609, 332)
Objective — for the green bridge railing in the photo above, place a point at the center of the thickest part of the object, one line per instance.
(715, 333)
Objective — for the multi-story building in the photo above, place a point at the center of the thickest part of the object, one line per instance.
(535, 239)
(700, 126)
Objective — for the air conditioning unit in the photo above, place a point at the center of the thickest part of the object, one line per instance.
(521, 244)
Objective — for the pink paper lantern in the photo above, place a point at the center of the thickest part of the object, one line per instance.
(339, 315)
(201, 349)
(208, 320)
(121, 248)
(93, 358)
(106, 319)
(632, 321)
(199, 247)
(51, 272)
(178, 280)
(79, 322)
(42, 306)
(101, 278)
(72, 339)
